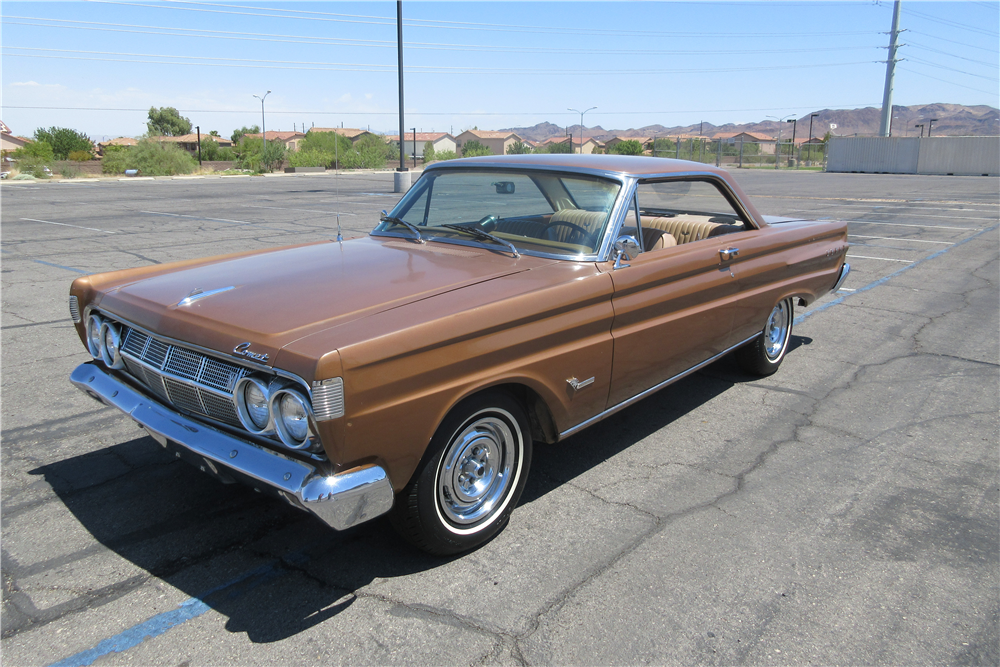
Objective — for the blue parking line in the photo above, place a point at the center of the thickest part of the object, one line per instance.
(59, 266)
(161, 623)
(885, 279)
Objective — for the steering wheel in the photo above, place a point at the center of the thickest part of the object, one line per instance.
(574, 227)
(488, 224)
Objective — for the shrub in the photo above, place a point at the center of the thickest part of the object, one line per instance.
(33, 158)
(518, 148)
(441, 156)
(115, 159)
(67, 170)
(310, 158)
(250, 154)
(561, 147)
(80, 156)
(474, 148)
(627, 147)
(371, 152)
(428, 151)
(149, 157)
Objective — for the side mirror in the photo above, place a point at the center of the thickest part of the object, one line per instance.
(504, 187)
(627, 248)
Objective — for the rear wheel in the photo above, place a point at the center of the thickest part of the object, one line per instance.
(471, 478)
(764, 354)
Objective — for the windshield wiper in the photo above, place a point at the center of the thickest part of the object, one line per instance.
(399, 221)
(486, 236)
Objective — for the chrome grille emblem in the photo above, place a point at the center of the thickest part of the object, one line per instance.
(198, 293)
(243, 350)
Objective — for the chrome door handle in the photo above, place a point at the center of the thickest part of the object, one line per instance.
(729, 253)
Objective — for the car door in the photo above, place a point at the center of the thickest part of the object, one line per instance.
(673, 305)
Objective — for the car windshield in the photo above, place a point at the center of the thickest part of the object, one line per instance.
(535, 211)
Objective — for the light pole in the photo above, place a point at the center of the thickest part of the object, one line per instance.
(795, 124)
(921, 126)
(263, 129)
(811, 116)
(930, 125)
(581, 128)
(777, 147)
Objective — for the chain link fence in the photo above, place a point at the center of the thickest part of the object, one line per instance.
(743, 154)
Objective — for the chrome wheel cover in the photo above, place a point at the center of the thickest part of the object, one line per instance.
(776, 331)
(478, 468)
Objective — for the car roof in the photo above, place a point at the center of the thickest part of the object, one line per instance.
(636, 165)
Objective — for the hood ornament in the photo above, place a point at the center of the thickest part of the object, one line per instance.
(198, 293)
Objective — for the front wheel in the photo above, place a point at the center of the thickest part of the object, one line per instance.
(470, 479)
(764, 354)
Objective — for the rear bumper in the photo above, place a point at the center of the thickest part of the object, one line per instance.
(844, 270)
(342, 500)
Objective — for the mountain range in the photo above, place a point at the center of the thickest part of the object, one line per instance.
(950, 120)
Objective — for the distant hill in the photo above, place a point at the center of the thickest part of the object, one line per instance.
(952, 120)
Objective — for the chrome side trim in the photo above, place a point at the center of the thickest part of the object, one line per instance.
(198, 294)
(652, 390)
(844, 270)
(341, 500)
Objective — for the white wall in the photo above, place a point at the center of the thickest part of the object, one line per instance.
(957, 156)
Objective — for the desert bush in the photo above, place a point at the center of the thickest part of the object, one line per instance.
(66, 169)
(80, 156)
(33, 158)
(310, 158)
(251, 154)
(115, 159)
(370, 152)
(560, 147)
(518, 148)
(428, 151)
(627, 147)
(441, 156)
(474, 148)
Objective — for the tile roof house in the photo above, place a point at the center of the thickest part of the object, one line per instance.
(352, 133)
(117, 141)
(10, 141)
(442, 141)
(495, 141)
(289, 139)
(589, 143)
(189, 142)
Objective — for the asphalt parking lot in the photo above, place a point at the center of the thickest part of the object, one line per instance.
(842, 511)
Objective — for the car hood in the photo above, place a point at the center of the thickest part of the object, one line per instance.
(274, 298)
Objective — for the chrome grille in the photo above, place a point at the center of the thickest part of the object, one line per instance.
(189, 380)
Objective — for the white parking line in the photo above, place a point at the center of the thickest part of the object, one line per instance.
(301, 210)
(884, 259)
(903, 224)
(890, 238)
(66, 224)
(197, 217)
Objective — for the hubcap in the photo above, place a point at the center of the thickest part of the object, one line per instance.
(776, 331)
(477, 468)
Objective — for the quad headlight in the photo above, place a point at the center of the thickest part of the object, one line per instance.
(111, 345)
(94, 324)
(268, 407)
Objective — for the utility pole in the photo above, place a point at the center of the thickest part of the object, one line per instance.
(890, 66)
(930, 125)
(401, 179)
(198, 129)
(792, 152)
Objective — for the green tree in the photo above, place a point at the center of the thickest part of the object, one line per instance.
(441, 156)
(33, 158)
(370, 152)
(167, 122)
(214, 133)
(473, 148)
(63, 141)
(150, 157)
(627, 147)
(212, 151)
(428, 152)
(518, 148)
(560, 147)
(251, 154)
(240, 133)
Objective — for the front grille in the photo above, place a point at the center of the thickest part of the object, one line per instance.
(189, 380)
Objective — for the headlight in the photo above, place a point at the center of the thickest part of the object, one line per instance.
(291, 417)
(94, 324)
(252, 404)
(111, 344)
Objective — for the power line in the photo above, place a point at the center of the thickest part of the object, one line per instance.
(449, 25)
(435, 69)
(954, 24)
(324, 41)
(951, 69)
(952, 41)
(952, 55)
(460, 113)
(978, 90)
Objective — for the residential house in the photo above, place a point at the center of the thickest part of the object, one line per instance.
(441, 141)
(589, 143)
(495, 141)
(189, 142)
(765, 142)
(117, 141)
(352, 133)
(289, 139)
(9, 141)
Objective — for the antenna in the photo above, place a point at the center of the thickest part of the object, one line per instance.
(336, 177)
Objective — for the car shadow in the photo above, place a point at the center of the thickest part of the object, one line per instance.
(271, 569)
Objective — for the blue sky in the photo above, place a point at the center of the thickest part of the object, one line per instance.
(98, 66)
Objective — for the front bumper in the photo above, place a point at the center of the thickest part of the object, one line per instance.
(342, 500)
(844, 270)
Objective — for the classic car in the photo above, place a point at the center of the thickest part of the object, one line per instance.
(504, 301)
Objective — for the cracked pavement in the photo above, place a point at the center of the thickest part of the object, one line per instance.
(842, 511)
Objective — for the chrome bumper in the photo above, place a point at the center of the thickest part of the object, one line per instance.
(342, 500)
(844, 270)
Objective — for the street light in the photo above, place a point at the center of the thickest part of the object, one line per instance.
(931, 125)
(581, 128)
(921, 126)
(795, 124)
(263, 129)
(777, 148)
(811, 116)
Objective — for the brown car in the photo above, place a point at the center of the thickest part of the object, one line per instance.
(503, 301)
